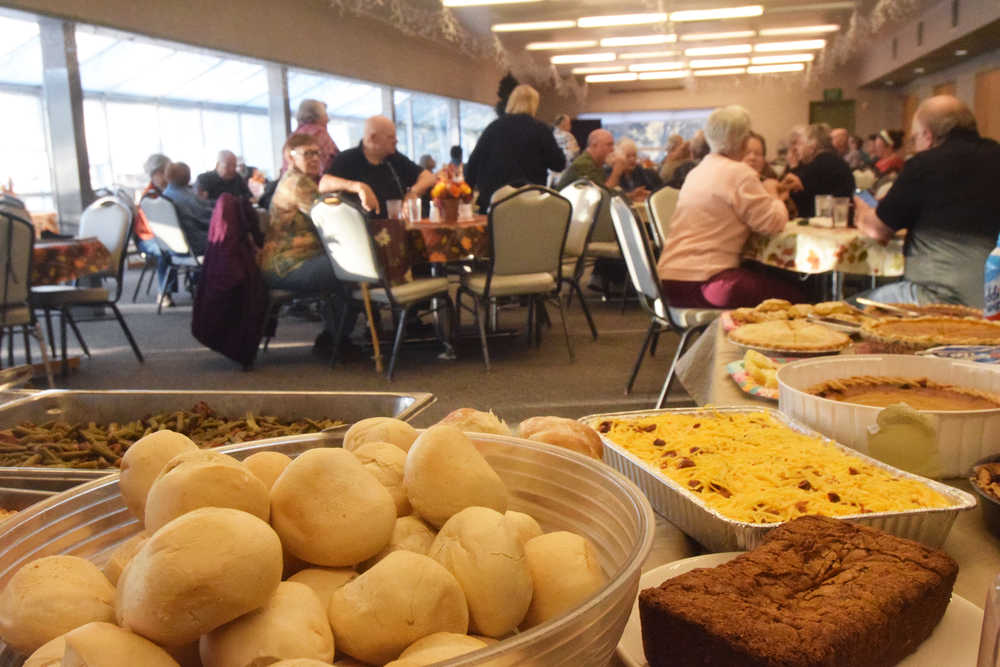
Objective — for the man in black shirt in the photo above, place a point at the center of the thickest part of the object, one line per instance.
(821, 170)
(224, 178)
(375, 172)
(948, 200)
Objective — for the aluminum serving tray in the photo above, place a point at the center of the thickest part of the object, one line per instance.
(127, 405)
(715, 532)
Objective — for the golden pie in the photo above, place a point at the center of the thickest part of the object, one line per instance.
(924, 332)
(945, 309)
(918, 393)
(790, 335)
(779, 309)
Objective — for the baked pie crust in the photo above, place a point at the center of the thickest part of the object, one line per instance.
(929, 310)
(779, 309)
(790, 336)
(918, 393)
(924, 332)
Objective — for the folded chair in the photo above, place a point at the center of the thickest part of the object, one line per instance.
(642, 272)
(585, 198)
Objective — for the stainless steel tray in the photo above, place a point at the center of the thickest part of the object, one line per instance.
(126, 405)
(716, 532)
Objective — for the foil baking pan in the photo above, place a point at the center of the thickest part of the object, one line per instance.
(716, 532)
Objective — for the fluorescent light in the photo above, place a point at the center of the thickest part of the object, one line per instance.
(804, 45)
(702, 36)
(532, 25)
(768, 69)
(478, 3)
(783, 58)
(719, 62)
(652, 67)
(800, 30)
(608, 78)
(573, 58)
(636, 55)
(713, 14)
(554, 46)
(719, 72)
(620, 19)
(676, 74)
(718, 50)
(606, 69)
(637, 40)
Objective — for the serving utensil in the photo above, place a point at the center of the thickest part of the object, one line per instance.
(887, 307)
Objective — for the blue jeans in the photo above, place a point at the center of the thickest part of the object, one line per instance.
(903, 291)
(153, 249)
(316, 275)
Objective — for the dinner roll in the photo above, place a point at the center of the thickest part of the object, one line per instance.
(293, 624)
(204, 478)
(403, 597)
(380, 429)
(329, 510)
(565, 572)
(324, 581)
(439, 647)
(122, 555)
(385, 461)
(477, 547)
(50, 654)
(409, 534)
(201, 570)
(470, 420)
(562, 432)
(51, 596)
(522, 526)
(142, 463)
(267, 466)
(445, 473)
(107, 645)
(186, 655)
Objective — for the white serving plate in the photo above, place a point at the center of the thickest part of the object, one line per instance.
(716, 532)
(954, 642)
(964, 436)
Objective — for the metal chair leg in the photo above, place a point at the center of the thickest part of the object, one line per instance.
(400, 330)
(562, 316)
(480, 320)
(673, 365)
(339, 333)
(10, 347)
(656, 340)
(48, 328)
(27, 344)
(42, 344)
(583, 304)
(76, 331)
(127, 331)
(138, 285)
(642, 355)
(62, 340)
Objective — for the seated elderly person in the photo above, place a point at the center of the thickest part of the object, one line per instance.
(636, 181)
(156, 168)
(224, 178)
(820, 170)
(698, 149)
(722, 201)
(193, 213)
(589, 164)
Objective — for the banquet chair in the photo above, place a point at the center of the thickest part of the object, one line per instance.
(17, 236)
(343, 230)
(166, 226)
(585, 199)
(642, 271)
(527, 235)
(111, 222)
(604, 245)
(661, 206)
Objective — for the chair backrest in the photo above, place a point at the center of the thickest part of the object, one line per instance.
(638, 258)
(661, 206)
(527, 232)
(585, 198)
(604, 231)
(17, 236)
(109, 220)
(343, 231)
(164, 223)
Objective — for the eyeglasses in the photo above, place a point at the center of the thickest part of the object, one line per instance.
(307, 154)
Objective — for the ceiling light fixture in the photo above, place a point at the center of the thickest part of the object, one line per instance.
(714, 14)
(652, 67)
(553, 46)
(606, 69)
(573, 58)
(718, 50)
(636, 55)
(718, 62)
(800, 30)
(719, 72)
(783, 58)
(637, 40)
(479, 3)
(702, 36)
(620, 19)
(769, 69)
(675, 74)
(532, 25)
(803, 45)
(609, 78)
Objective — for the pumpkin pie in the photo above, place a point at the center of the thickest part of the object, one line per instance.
(928, 309)
(790, 336)
(918, 393)
(931, 331)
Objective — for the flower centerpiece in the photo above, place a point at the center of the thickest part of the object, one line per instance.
(447, 193)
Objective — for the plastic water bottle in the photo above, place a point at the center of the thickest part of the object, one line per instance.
(991, 302)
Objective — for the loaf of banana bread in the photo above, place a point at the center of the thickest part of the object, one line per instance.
(818, 591)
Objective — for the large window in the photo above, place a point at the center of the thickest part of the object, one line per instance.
(473, 119)
(422, 125)
(348, 103)
(650, 129)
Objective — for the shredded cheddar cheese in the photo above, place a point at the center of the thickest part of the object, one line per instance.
(750, 467)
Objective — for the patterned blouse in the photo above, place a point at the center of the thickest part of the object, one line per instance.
(291, 237)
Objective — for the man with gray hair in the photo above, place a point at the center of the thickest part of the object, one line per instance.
(224, 178)
(947, 199)
(821, 171)
(590, 163)
(313, 119)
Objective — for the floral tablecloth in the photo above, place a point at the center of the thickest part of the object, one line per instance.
(400, 244)
(818, 250)
(54, 262)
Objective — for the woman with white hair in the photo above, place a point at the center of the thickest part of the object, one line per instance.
(313, 120)
(515, 149)
(635, 181)
(721, 202)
